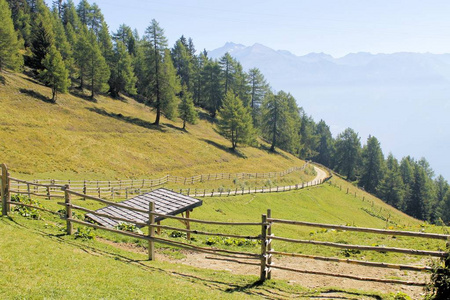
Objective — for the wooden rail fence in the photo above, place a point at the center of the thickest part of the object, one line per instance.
(264, 258)
(123, 189)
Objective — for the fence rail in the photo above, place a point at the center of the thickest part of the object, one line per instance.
(52, 188)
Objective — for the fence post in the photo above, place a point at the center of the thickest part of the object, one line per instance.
(84, 189)
(269, 244)
(151, 231)
(6, 195)
(68, 209)
(263, 271)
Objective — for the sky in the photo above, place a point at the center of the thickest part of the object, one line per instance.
(336, 27)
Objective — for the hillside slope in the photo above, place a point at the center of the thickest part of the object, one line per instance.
(78, 138)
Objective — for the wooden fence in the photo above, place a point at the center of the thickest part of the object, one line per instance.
(112, 189)
(264, 258)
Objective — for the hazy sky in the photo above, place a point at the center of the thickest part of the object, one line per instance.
(336, 27)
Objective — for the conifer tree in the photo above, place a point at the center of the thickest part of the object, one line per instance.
(308, 139)
(372, 169)
(211, 88)
(278, 125)
(122, 75)
(325, 146)
(258, 89)
(9, 46)
(391, 187)
(42, 35)
(97, 71)
(182, 62)
(347, 155)
(62, 44)
(186, 109)
(157, 43)
(170, 88)
(227, 65)
(81, 53)
(125, 35)
(20, 13)
(55, 73)
(235, 122)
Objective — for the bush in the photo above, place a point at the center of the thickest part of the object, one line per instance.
(24, 211)
(128, 227)
(84, 233)
(439, 287)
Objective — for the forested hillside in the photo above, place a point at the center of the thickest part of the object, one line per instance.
(71, 48)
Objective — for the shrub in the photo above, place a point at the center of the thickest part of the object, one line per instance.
(439, 287)
(24, 211)
(84, 233)
(128, 227)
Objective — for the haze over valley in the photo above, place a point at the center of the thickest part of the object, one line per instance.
(401, 98)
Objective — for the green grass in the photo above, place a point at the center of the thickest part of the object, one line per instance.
(112, 139)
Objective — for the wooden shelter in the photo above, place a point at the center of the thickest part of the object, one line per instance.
(166, 202)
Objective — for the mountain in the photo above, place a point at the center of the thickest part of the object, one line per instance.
(401, 98)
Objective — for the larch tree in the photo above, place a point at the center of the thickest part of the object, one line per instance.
(170, 87)
(235, 121)
(347, 155)
(9, 46)
(97, 71)
(122, 75)
(226, 63)
(391, 187)
(42, 35)
(277, 123)
(325, 145)
(258, 89)
(186, 109)
(157, 43)
(55, 73)
(372, 168)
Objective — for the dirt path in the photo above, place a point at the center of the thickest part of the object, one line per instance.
(315, 281)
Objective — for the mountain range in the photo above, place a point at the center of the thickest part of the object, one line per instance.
(402, 98)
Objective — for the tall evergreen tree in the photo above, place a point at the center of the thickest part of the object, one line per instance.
(125, 35)
(391, 187)
(158, 43)
(182, 62)
(186, 109)
(227, 63)
(347, 155)
(42, 35)
(62, 44)
(258, 89)
(21, 15)
(325, 146)
(419, 204)
(9, 46)
(235, 122)
(278, 125)
(55, 73)
(122, 75)
(372, 169)
(170, 87)
(97, 71)
(308, 139)
(211, 89)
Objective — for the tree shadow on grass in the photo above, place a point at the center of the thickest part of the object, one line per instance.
(79, 93)
(36, 95)
(235, 152)
(127, 119)
(267, 149)
(2, 80)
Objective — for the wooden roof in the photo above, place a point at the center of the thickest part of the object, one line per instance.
(166, 202)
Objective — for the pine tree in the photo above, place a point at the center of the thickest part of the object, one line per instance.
(9, 46)
(372, 170)
(62, 44)
(122, 75)
(81, 53)
(186, 109)
(325, 146)
(97, 71)
(308, 139)
(157, 43)
(42, 35)
(235, 122)
(125, 35)
(210, 95)
(20, 13)
(347, 155)
(170, 88)
(278, 125)
(226, 63)
(391, 187)
(182, 62)
(55, 73)
(258, 89)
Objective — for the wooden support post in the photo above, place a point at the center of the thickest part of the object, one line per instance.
(263, 270)
(269, 244)
(126, 193)
(68, 210)
(6, 195)
(158, 230)
(48, 192)
(28, 190)
(98, 190)
(188, 224)
(151, 231)
(112, 192)
(84, 189)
